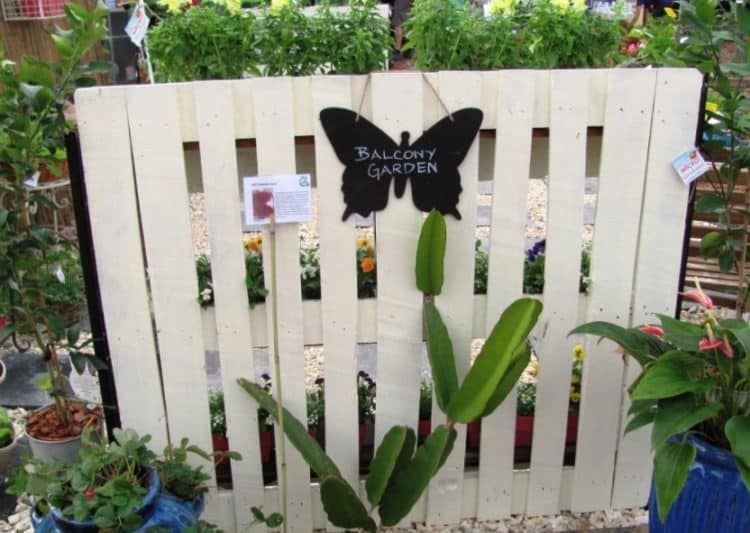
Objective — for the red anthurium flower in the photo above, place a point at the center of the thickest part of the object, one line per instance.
(656, 331)
(89, 494)
(716, 344)
(699, 296)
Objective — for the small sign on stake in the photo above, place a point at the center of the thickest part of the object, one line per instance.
(138, 25)
(690, 165)
(283, 198)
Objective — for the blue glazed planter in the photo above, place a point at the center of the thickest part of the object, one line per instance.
(714, 499)
(159, 508)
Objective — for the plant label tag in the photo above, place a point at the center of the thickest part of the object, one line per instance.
(284, 198)
(138, 25)
(690, 165)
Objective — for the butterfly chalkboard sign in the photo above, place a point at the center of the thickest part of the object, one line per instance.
(373, 160)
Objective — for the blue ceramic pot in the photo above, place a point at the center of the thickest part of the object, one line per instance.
(159, 508)
(714, 499)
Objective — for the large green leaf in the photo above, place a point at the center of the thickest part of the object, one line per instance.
(440, 352)
(521, 359)
(679, 414)
(632, 341)
(343, 507)
(737, 430)
(295, 431)
(431, 254)
(672, 374)
(410, 482)
(384, 462)
(743, 19)
(671, 465)
(494, 360)
(638, 421)
(683, 335)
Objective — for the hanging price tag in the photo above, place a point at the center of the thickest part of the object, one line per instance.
(690, 165)
(138, 25)
(283, 198)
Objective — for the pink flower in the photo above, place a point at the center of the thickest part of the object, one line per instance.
(699, 296)
(656, 331)
(89, 494)
(716, 344)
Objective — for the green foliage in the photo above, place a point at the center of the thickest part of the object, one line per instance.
(737, 430)
(440, 353)
(7, 433)
(526, 398)
(425, 399)
(431, 254)
(316, 404)
(519, 361)
(452, 36)
(33, 95)
(399, 440)
(366, 399)
(272, 521)
(206, 42)
(218, 414)
(671, 465)
(343, 506)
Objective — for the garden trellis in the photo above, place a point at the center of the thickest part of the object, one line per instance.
(133, 140)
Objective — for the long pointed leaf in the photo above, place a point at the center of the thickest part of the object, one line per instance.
(520, 361)
(493, 360)
(343, 507)
(737, 430)
(440, 353)
(671, 465)
(677, 415)
(431, 254)
(295, 432)
(385, 460)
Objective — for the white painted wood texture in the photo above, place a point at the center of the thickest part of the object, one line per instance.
(515, 90)
(113, 210)
(630, 100)
(273, 110)
(567, 162)
(160, 174)
(215, 116)
(675, 118)
(338, 266)
(457, 91)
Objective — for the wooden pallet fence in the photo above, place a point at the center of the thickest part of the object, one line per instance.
(133, 141)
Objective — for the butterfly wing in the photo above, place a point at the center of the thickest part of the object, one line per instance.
(349, 134)
(451, 138)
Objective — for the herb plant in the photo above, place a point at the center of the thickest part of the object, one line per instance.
(365, 398)
(7, 432)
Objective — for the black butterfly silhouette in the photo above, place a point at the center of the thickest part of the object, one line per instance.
(373, 159)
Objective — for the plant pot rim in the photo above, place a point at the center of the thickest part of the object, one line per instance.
(54, 441)
(16, 436)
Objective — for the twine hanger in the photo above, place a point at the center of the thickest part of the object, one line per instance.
(426, 80)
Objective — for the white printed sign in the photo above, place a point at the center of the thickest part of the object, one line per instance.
(138, 25)
(283, 198)
(690, 165)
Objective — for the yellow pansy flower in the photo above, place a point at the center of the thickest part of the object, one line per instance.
(363, 242)
(671, 13)
(578, 352)
(575, 397)
(173, 6)
(253, 243)
(276, 5)
(713, 107)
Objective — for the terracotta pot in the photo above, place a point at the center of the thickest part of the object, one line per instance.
(424, 428)
(266, 445)
(571, 431)
(46, 176)
(524, 430)
(220, 444)
(366, 435)
(473, 434)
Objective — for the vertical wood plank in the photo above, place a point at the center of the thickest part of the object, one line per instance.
(399, 301)
(338, 270)
(456, 302)
(675, 116)
(165, 219)
(567, 162)
(273, 109)
(117, 243)
(514, 93)
(215, 118)
(630, 97)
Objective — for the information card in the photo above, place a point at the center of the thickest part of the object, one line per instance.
(690, 165)
(285, 198)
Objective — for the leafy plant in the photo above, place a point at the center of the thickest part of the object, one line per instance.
(425, 399)
(695, 380)
(309, 261)
(365, 398)
(218, 414)
(7, 432)
(33, 96)
(316, 404)
(400, 471)
(526, 404)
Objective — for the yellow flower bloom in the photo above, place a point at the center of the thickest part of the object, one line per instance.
(534, 368)
(234, 6)
(253, 243)
(363, 242)
(713, 107)
(578, 352)
(173, 6)
(367, 264)
(575, 397)
(671, 13)
(503, 7)
(276, 5)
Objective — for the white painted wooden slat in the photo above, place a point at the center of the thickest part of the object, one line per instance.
(399, 301)
(215, 114)
(567, 163)
(160, 177)
(676, 108)
(105, 145)
(273, 109)
(514, 97)
(338, 266)
(457, 91)
(630, 98)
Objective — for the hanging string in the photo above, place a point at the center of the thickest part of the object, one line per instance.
(426, 80)
(437, 95)
(362, 99)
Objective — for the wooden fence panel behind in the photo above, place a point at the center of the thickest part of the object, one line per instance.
(215, 114)
(567, 164)
(510, 188)
(657, 269)
(274, 126)
(623, 170)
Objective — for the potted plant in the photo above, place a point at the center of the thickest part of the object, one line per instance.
(525, 413)
(316, 411)
(694, 387)
(32, 125)
(366, 409)
(8, 440)
(120, 486)
(219, 434)
(425, 409)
